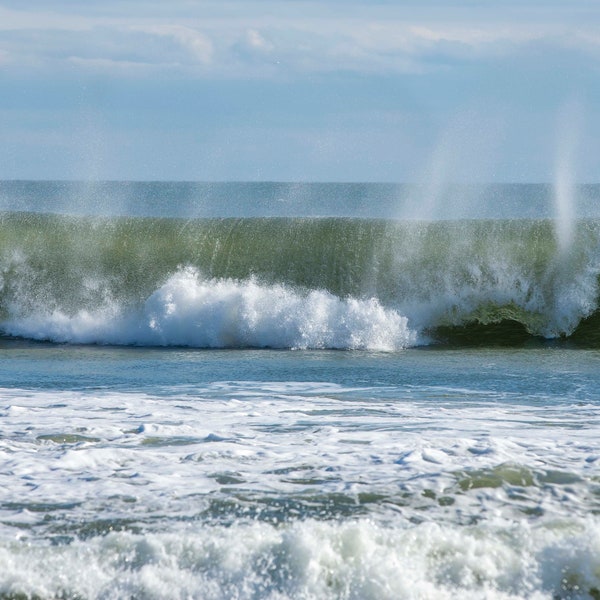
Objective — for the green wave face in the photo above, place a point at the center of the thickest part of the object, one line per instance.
(441, 275)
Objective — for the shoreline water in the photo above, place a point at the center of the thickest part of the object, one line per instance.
(337, 468)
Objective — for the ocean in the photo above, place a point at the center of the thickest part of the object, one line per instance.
(305, 391)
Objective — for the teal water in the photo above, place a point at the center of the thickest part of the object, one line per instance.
(294, 405)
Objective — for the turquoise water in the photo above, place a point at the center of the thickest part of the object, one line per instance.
(296, 405)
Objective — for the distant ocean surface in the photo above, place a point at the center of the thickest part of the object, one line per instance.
(304, 391)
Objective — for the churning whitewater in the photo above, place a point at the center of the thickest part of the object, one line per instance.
(286, 490)
(293, 282)
(190, 311)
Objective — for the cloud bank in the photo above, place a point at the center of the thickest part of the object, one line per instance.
(295, 90)
(259, 39)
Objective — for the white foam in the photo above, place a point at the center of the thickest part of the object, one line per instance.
(286, 438)
(208, 313)
(157, 463)
(316, 560)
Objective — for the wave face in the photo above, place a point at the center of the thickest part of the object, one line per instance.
(294, 282)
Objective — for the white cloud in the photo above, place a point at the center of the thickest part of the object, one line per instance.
(275, 105)
(233, 39)
(198, 46)
(110, 66)
(256, 41)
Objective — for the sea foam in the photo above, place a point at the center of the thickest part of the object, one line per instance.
(189, 310)
(286, 489)
(316, 560)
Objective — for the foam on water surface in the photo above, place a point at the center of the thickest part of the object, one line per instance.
(297, 490)
(330, 452)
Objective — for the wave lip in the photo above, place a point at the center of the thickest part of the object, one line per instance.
(191, 311)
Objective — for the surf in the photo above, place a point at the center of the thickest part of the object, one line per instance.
(287, 282)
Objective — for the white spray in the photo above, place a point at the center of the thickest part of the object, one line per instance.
(565, 201)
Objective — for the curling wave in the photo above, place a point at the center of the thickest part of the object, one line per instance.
(295, 282)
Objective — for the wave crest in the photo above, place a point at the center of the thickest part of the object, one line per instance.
(189, 310)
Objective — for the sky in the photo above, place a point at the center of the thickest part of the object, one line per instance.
(336, 90)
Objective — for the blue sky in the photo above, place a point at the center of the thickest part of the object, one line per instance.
(334, 90)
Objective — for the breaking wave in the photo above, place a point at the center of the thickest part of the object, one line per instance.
(295, 282)
(191, 311)
(313, 560)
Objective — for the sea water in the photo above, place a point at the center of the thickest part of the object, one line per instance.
(297, 391)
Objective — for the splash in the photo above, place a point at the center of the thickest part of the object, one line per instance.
(191, 311)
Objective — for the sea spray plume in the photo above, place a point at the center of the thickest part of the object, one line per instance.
(489, 285)
(569, 288)
(565, 200)
(444, 287)
(461, 154)
(425, 201)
